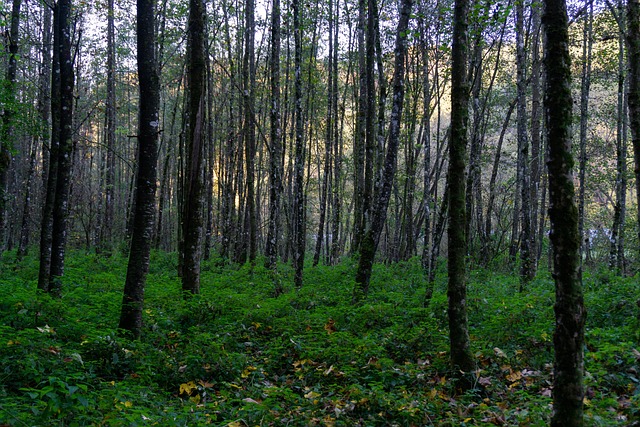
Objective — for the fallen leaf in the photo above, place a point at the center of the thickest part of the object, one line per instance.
(330, 326)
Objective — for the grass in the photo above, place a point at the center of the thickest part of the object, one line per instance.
(237, 355)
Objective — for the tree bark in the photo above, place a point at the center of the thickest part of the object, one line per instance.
(192, 217)
(527, 271)
(148, 122)
(633, 94)
(46, 227)
(569, 308)
(10, 99)
(460, 347)
(65, 149)
(276, 148)
(299, 225)
(106, 237)
(371, 237)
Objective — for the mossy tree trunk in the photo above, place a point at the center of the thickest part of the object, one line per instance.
(369, 243)
(192, 217)
(144, 215)
(633, 96)
(460, 348)
(569, 309)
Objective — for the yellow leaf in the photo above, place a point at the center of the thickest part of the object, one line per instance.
(195, 399)
(312, 395)
(187, 388)
(235, 424)
(515, 376)
(247, 371)
(330, 326)
(466, 420)
(128, 404)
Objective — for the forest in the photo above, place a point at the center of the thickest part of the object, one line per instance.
(341, 213)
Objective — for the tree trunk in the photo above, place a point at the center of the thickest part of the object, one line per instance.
(616, 253)
(194, 175)
(298, 190)
(148, 122)
(276, 148)
(536, 143)
(371, 237)
(460, 347)
(633, 94)
(569, 308)
(527, 271)
(106, 238)
(65, 148)
(9, 95)
(249, 81)
(46, 227)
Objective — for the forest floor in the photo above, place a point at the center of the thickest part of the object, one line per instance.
(237, 355)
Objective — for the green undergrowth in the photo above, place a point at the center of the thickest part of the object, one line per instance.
(238, 355)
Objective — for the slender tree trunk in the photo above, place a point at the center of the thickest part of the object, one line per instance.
(616, 254)
(106, 238)
(194, 175)
(328, 143)
(298, 190)
(65, 149)
(25, 229)
(536, 112)
(527, 271)
(569, 308)
(460, 347)
(9, 95)
(276, 147)
(371, 237)
(249, 80)
(336, 150)
(584, 117)
(633, 96)
(148, 123)
(46, 227)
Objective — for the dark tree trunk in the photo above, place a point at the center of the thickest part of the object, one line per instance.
(328, 144)
(569, 309)
(46, 227)
(133, 297)
(371, 237)
(65, 148)
(460, 347)
(249, 81)
(192, 216)
(536, 112)
(633, 96)
(9, 95)
(617, 260)
(106, 237)
(276, 148)
(298, 191)
(527, 271)
(584, 117)
(25, 229)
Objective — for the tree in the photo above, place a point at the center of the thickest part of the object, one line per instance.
(633, 96)
(371, 238)
(55, 210)
(298, 191)
(569, 308)
(192, 218)
(460, 346)
(527, 272)
(148, 128)
(9, 99)
(106, 237)
(276, 149)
